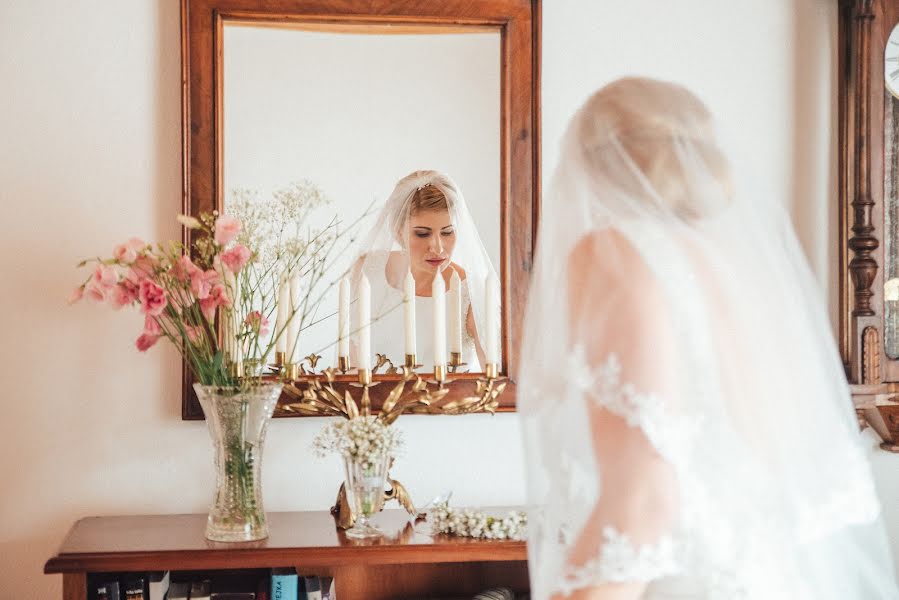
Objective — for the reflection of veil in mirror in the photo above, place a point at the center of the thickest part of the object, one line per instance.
(394, 248)
(702, 438)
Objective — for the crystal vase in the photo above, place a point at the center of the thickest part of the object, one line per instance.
(365, 482)
(237, 419)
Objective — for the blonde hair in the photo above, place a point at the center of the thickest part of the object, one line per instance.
(648, 118)
(428, 197)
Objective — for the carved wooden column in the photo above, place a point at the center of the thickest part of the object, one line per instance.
(863, 266)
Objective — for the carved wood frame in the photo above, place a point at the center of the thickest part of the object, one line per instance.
(519, 24)
(864, 26)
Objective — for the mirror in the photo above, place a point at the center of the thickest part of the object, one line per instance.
(335, 117)
(341, 100)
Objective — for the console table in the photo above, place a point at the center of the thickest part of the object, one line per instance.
(404, 564)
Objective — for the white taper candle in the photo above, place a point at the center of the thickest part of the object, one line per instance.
(455, 313)
(409, 312)
(363, 299)
(438, 295)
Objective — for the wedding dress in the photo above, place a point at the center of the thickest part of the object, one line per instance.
(688, 427)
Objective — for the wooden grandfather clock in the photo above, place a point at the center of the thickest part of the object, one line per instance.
(869, 209)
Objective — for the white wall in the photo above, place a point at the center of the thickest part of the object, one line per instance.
(90, 154)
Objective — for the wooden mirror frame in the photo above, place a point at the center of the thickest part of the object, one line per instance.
(517, 21)
(864, 27)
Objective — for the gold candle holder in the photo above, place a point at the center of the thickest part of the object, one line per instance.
(292, 370)
(343, 364)
(411, 361)
(439, 373)
(237, 369)
(365, 377)
(455, 359)
(280, 355)
(492, 371)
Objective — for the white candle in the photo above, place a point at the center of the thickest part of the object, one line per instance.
(491, 289)
(409, 311)
(343, 318)
(438, 295)
(283, 313)
(455, 313)
(363, 299)
(293, 325)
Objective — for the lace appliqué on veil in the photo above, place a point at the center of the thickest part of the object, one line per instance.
(671, 434)
(621, 561)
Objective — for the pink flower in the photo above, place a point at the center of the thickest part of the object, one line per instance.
(194, 334)
(202, 282)
(127, 253)
(143, 267)
(105, 276)
(122, 295)
(152, 298)
(76, 295)
(151, 326)
(146, 341)
(184, 269)
(236, 258)
(226, 229)
(95, 292)
(217, 297)
(257, 323)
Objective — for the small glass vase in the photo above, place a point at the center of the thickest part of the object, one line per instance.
(237, 419)
(365, 484)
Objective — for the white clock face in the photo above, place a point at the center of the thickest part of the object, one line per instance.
(891, 62)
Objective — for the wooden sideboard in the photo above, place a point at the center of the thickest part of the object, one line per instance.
(406, 563)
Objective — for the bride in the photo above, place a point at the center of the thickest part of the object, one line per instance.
(701, 442)
(425, 231)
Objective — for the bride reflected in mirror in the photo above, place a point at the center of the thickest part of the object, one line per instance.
(430, 280)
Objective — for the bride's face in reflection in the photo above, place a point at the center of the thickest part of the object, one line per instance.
(432, 238)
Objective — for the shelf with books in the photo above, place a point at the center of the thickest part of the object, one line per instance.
(404, 563)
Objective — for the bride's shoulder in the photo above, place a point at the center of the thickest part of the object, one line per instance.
(607, 251)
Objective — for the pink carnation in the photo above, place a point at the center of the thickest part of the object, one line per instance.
(194, 334)
(123, 294)
(257, 323)
(95, 292)
(217, 297)
(105, 276)
(184, 268)
(226, 229)
(202, 282)
(142, 268)
(127, 253)
(146, 341)
(152, 298)
(236, 258)
(151, 326)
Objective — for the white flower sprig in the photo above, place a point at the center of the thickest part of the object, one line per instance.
(476, 524)
(364, 439)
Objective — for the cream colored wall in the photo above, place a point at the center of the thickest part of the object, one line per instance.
(90, 155)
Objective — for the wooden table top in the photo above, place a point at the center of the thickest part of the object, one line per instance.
(308, 539)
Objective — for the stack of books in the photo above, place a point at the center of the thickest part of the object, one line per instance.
(279, 584)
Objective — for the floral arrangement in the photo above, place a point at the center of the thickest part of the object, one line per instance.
(366, 440)
(476, 524)
(215, 299)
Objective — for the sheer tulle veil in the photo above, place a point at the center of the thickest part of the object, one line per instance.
(687, 421)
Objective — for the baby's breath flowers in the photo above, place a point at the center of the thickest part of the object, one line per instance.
(476, 524)
(364, 440)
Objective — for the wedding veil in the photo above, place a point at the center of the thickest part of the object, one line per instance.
(687, 421)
